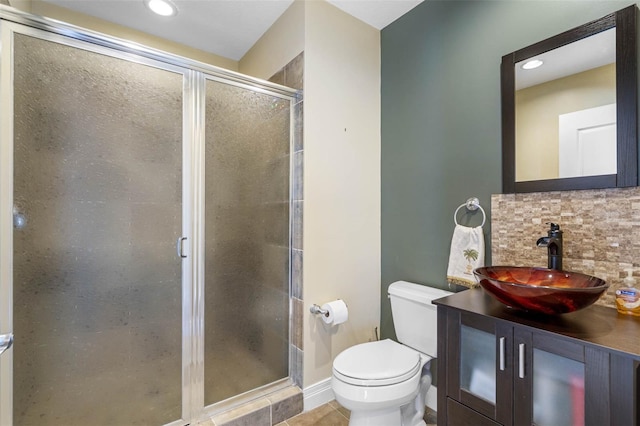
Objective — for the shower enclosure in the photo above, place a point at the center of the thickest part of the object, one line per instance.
(144, 231)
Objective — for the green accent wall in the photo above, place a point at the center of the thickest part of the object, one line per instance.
(441, 122)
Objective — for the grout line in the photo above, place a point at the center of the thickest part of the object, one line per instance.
(347, 418)
(335, 409)
(342, 415)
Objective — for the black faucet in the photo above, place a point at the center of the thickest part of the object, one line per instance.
(553, 243)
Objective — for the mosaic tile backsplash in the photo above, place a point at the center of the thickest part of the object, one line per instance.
(601, 232)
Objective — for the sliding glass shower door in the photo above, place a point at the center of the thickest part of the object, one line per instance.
(144, 232)
(247, 147)
(97, 197)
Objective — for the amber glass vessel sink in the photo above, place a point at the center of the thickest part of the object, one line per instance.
(540, 290)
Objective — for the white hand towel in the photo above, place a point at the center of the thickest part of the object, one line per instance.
(467, 253)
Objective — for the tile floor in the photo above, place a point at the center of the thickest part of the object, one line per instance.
(333, 414)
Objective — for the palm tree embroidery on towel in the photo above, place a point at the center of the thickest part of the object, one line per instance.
(470, 254)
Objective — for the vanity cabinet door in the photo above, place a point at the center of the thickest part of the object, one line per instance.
(480, 375)
(459, 415)
(559, 382)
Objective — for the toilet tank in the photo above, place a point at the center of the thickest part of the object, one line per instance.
(414, 317)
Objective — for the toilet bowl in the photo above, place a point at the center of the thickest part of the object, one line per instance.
(374, 380)
(385, 383)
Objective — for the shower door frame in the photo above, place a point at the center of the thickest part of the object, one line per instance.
(194, 75)
(7, 31)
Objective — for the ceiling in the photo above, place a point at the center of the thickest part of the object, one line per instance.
(227, 28)
(573, 58)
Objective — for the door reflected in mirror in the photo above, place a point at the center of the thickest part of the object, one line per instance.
(565, 110)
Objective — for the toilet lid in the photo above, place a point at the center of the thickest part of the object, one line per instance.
(376, 363)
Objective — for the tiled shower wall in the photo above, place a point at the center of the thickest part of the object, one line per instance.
(292, 75)
(601, 231)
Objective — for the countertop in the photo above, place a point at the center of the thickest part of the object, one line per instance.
(597, 325)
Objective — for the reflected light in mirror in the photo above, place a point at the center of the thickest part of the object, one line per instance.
(532, 64)
(162, 7)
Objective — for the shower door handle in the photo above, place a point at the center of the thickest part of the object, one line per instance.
(6, 340)
(180, 247)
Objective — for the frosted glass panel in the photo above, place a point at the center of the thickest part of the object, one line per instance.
(478, 363)
(247, 240)
(558, 390)
(97, 286)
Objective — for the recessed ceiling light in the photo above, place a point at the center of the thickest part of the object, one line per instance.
(162, 7)
(534, 63)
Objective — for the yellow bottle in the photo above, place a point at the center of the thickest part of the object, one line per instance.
(628, 298)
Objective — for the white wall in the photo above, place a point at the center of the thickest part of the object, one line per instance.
(341, 181)
(278, 46)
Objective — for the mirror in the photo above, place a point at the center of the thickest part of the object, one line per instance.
(571, 122)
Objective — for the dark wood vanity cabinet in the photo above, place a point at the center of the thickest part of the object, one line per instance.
(498, 366)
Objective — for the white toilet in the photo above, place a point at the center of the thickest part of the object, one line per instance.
(385, 383)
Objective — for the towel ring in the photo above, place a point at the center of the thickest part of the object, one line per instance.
(472, 204)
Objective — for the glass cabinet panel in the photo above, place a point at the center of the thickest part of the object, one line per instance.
(558, 390)
(478, 363)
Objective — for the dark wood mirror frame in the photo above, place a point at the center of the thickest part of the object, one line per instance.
(625, 24)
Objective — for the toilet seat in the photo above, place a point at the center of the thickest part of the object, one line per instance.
(378, 363)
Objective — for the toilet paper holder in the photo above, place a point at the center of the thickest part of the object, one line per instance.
(316, 309)
(332, 313)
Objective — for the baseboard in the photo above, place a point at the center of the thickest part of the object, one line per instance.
(317, 394)
(432, 398)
